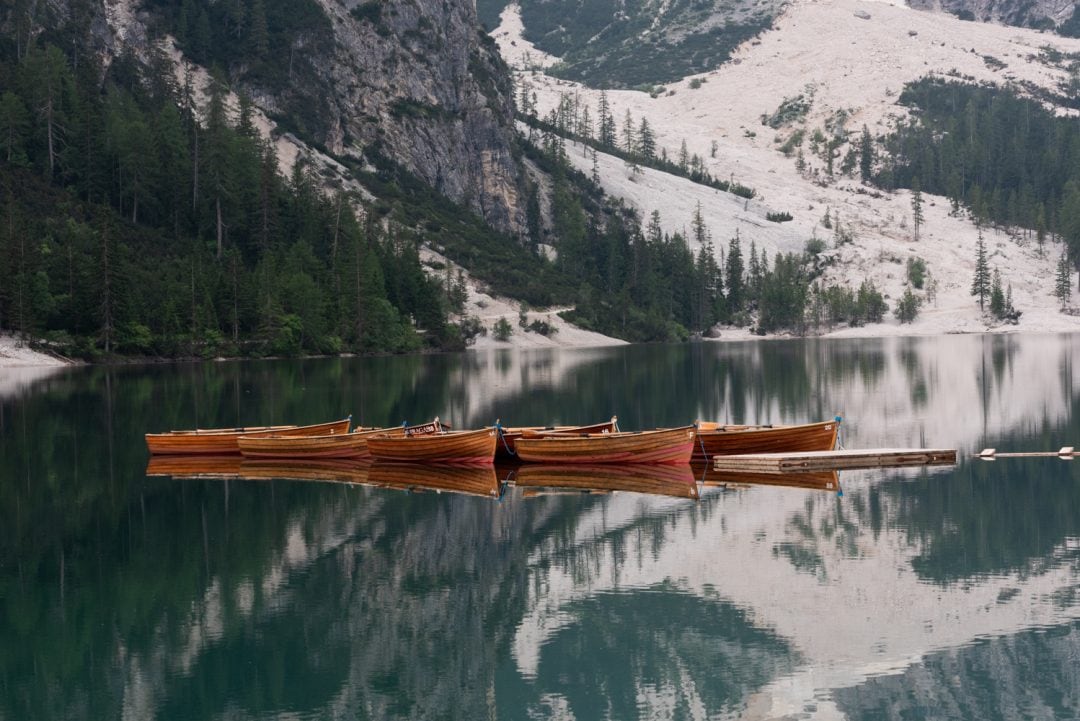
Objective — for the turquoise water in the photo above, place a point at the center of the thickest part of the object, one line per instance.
(913, 594)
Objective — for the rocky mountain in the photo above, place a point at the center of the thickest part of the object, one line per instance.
(1044, 14)
(416, 84)
(785, 117)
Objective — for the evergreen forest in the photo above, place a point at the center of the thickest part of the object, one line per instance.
(1006, 158)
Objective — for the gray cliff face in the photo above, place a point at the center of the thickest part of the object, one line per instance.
(1023, 13)
(414, 81)
(418, 82)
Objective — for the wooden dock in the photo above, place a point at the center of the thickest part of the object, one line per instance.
(836, 460)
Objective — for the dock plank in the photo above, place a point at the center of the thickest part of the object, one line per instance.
(836, 460)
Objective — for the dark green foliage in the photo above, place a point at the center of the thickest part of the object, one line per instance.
(1002, 156)
(866, 155)
(779, 217)
(1001, 305)
(606, 141)
(830, 305)
(907, 308)
(508, 267)
(870, 304)
(371, 11)
(980, 284)
(783, 295)
(1063, 281)
(916, 272)
(791, 110)
(503, 330)
(141, 230)
(265, 44)
(609, 44)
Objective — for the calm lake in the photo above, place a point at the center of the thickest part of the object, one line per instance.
(913, 594)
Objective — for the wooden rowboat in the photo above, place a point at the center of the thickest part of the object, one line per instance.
(476, 447)
(671, 445)
(650, 478)
(508, 437)
(714, 439)
(472, 480)
(339, 445)
(220, 441)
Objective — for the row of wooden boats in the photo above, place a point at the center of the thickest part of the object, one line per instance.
(599, 443)
(679, 481)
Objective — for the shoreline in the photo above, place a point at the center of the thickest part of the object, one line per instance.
(18, 353)
(31, 359)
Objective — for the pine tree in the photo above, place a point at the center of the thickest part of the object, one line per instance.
(1069, 220)
(595, 167)
(916, 207)
(585, 126)
(866, 155)
(258, 34)
(654, 232)
(684, 157)
(48, 80)
(607, 121)
(14, 123)
(735, 282)
(980, 285)
(907, 308)
(629, 144)
(1040, 227)
(1063, 281)
(997, 296)
(646, 140)
(697, 226)
(218, 168)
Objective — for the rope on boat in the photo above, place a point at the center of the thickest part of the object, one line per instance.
(839, 427)
(502, 437)
(700, 441)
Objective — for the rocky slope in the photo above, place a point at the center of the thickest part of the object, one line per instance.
(419, 83)
(851, 58)
(1047, 14)
(413, 83)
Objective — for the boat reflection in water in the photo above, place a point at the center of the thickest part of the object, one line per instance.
(678, 481)
(660, 480)
(472, 480)
(195, 466)
(811, 480)
(414, 477)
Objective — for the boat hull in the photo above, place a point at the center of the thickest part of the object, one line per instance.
(343, 445)
(733, 440)
(674, 445)
(474, 447)
(507, 446)
(220, 441)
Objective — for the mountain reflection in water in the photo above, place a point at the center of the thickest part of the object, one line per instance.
(359, 592)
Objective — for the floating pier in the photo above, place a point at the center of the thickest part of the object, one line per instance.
(836, 460)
